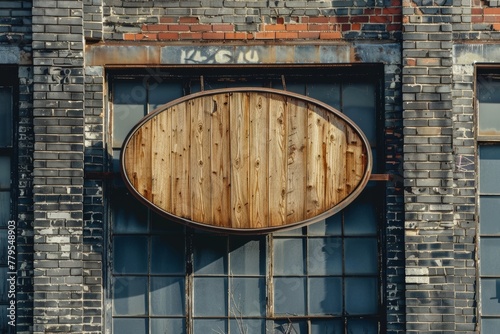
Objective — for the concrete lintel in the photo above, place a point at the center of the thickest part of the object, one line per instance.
(194, 54)
(466, 54)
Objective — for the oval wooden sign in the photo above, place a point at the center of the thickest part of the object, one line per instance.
(246, 160)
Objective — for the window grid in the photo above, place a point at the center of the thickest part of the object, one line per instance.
(488, 125)
(6, 156)
(268, 319)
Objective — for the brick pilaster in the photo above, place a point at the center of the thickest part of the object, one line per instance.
(428, 167)
(58, 165)
(92, 19)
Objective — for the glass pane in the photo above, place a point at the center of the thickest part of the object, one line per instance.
(334, 326)
(247, 326)
(4, 208)
(290, 295)
(488, 89)
(167, 295)
(326, 92)
(360, 217)
(295, 87)
(167, 255)
(4, 324)
(130, 216)
(130, 295)
(247, 297)
(292, 232)
(160, 224)
(289, 255)
(361, 256)
(130, 326)
(6, 123)
(490, 326)
(163, 326)
(130, 254)
(362, 326)
(359, 104)
(247, 256)
(161, 93)
(289, 327)
(3, 286)
(488, 212)
(210, 254)
(210, 296)
(210, 326)
(324, 256)
(325, 295)
(4, 172)
(361, 296)
(489, 249)
(489, 165)
(3, 248)
(330, 226)
(489, 119)
(129, 104)
(490, 296)
(214, 84)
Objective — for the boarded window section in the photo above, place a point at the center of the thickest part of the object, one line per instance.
(167, 278)
(6, 137)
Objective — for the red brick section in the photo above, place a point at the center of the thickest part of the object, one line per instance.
(482, 14)
(299, 28)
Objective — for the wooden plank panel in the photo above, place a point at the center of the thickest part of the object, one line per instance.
(181, 201)
(316, 172)
(161, 159)
(259, 131)
(297, 164)
(239, 123)
(141, 145)
(335, 155)
(277, 160)
(129, 160)
(353, 159)
(220, 163)
(245, 159)
(200, 110)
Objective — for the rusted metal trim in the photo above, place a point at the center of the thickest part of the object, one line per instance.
(381, 177)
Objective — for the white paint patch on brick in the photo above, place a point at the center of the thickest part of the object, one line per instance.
(59, 214)
(417, 279)
(417, 271)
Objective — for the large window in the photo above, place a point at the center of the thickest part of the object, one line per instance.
(6, 156)
(488, 98)
(167, 278)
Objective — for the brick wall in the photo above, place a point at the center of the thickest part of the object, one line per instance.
(428, 101)
(251, 20)
(58, 166)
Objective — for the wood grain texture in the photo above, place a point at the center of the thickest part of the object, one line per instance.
(259, 161)
(220, 163)
(181, 164)
(246, 160)
(239, 112)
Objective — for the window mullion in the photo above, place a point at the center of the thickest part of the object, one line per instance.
(270, 278)
(189, 281)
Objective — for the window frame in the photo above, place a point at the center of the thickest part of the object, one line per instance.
(482, 71)
(113, 74)
(9, 80)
